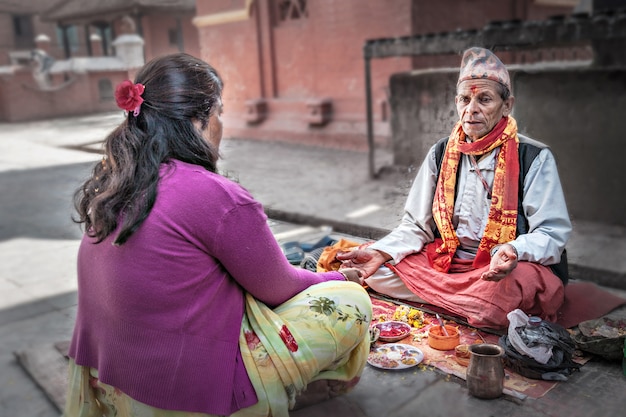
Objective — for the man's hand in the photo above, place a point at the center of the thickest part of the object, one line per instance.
(367, 261)
(502, 263)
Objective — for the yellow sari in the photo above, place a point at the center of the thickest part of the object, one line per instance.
(321, 333)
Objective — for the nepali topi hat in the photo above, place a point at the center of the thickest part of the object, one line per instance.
(480, 63)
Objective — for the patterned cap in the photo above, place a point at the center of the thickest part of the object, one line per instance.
(481, 63)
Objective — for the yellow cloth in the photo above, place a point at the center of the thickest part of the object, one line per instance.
(321, 333)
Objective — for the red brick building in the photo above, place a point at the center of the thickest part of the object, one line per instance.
(164, 25)
(294, 69)
(20, 24)
(80, 36)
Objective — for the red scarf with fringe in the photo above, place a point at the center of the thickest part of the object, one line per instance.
(502, 221)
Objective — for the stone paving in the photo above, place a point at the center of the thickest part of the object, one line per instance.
(42, 162)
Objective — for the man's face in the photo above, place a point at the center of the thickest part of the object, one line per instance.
(480, 106)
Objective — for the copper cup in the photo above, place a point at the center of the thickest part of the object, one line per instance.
(485, 372)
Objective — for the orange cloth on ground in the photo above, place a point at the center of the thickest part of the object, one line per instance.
(328, 261)
(531, 287)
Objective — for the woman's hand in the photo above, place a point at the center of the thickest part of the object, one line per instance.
(366, 261)
(352, 274)
(502, 263)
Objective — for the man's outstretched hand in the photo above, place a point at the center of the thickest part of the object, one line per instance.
(502, 263)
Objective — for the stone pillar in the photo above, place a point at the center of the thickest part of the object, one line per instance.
(129, 48)
(42, 42)
(96, 44)
(42, 62)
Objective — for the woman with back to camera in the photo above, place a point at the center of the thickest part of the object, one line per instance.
(186, 303)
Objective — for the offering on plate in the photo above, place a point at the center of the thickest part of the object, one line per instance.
(392, 331)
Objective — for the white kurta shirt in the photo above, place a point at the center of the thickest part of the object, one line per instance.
(549, 225)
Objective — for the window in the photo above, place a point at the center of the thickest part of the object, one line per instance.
(72, 37)
(107, 33)
(105, 89)
(172, 35)
(72, 34)
(23, 32)
(291, 10)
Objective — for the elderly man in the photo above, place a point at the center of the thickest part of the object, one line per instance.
(485, 223)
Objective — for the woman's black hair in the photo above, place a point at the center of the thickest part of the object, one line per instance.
(179, 90)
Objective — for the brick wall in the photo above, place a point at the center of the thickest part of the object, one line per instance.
(156, 35)
(6, 38)
(22, 100)
(576, 110)
(288, 63)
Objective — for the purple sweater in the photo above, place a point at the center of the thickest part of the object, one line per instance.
(160, 315)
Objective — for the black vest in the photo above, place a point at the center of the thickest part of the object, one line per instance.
(528, 151)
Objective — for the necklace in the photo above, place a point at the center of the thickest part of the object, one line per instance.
(480, 176)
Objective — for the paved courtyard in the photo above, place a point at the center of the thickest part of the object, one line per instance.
(41, 163)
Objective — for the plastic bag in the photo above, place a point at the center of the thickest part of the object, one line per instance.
(538, 351)
(526, 348)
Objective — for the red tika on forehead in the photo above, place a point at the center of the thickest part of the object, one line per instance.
(481, 63)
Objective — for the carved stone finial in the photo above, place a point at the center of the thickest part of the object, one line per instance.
(128, 25)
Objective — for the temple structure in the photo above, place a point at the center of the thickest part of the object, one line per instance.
(294, 69)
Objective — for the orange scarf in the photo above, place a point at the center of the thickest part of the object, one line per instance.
(502, 221)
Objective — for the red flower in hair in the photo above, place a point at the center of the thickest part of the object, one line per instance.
(128, 96)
